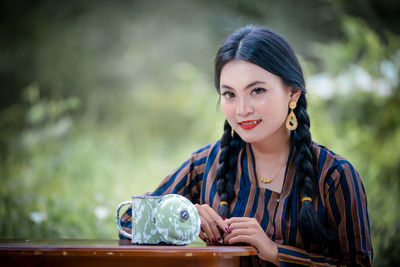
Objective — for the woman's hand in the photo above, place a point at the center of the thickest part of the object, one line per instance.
(248, 230)
(211, 224)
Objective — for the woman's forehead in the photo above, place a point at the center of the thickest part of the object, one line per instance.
(244, 72)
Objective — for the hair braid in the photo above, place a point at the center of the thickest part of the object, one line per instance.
(310, 226)
(227, 169)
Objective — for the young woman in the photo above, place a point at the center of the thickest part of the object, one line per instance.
(266, 183)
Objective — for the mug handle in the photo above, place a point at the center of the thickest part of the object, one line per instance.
(128, 235)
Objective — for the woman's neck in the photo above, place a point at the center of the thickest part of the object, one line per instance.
(275, 149)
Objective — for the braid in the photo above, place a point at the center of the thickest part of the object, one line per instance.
(310, 226)
(226, 173)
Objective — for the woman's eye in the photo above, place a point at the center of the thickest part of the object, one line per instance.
(228, 94)
(258, 91)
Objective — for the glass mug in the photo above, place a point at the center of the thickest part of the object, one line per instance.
(169, 219)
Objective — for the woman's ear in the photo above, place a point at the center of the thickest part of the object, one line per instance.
(294, 94)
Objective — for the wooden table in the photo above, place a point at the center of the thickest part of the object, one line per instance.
(68, 252)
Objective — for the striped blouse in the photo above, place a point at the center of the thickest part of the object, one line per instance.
(341, 202)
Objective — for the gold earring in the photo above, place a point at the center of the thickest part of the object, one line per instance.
(291, 121)
(232, 133)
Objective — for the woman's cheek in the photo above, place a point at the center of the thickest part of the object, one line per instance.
(228, 110)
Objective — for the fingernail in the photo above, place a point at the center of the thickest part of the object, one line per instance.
(228, 230)
(224, 218)
(220, 241)
(214, 241)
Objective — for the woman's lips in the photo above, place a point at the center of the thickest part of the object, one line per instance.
(248, 125)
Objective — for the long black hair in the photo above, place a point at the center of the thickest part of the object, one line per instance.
(270, 51)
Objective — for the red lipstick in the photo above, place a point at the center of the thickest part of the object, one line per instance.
(248, 125)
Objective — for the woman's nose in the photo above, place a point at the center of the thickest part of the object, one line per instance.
(244, 108)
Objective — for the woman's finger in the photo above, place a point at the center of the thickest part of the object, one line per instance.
(219, 221)
(242, 225)
(215, 223)
(239, 239)
(238, 232)
(205, 228)
(208, 224)
(238, 219)
(203, 237)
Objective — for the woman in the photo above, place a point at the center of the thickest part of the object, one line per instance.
(266, 183)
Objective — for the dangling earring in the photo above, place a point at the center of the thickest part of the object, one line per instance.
(291, 121)
(232, 133)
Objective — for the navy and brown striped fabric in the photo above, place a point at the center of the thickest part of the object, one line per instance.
(341, 202)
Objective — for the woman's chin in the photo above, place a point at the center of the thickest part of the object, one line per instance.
(249, 138)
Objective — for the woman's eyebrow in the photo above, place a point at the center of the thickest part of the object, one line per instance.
(226, 87)
(247, 86)
(254, 83)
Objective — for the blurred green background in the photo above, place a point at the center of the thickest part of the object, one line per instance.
(100, 100)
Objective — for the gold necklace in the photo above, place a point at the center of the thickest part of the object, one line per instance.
(267, 181)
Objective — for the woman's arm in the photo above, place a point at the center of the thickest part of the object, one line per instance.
(346, 211)
(346, 208)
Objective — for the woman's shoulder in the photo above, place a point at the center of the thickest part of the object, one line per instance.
(211, 149)
(321, 152)
(331, 166)
(207, 148)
